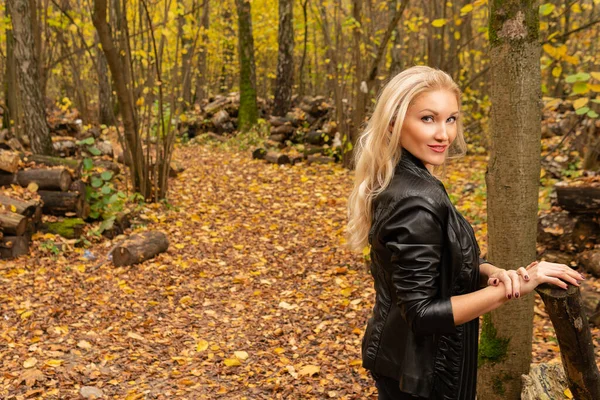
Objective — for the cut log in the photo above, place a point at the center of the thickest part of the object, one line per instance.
(69, 228)
(13, 223)
(71, 163)
(23, 207)
(285, 130)
(273, 144)
(124, 158)
(9, 161)
(121, 223)
(277, 138)
(317, 138)
(545, 381)
(139, 247)
(259, 154)
(214, 136)
(320, 159)
(105, 147)
(14, 246)
(60, 203)
(78, 186)
(312, 149)
(15, 145)
(220, 120)
(278, 121)
(570, 322)
(591, 302)
(108, 165)
(590, 261)
(567, 232)
(277, 158)
(584, 198)
(46, 179)
(65, 148)
(217, 104)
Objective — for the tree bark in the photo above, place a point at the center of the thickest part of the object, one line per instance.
(202, 81)
(285, 60)
(248, 113)
(574, 338)
(124, 90)
(106, 114)
(34, 112)
(512, 179)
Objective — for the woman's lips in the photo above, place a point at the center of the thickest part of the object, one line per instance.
(438, 149)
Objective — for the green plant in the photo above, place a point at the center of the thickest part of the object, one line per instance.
(50, 245)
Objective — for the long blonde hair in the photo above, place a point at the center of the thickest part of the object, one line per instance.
(377, 151)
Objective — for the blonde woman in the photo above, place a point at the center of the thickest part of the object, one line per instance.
(421, 341)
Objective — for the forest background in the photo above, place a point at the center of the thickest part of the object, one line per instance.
(141, 75)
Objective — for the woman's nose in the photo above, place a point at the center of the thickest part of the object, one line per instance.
(442, 132)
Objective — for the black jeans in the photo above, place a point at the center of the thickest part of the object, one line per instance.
(388, 389)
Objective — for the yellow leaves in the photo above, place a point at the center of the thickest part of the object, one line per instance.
(136, 336)
(466, 9)
(26, 314)
(438, 23)
(309, 370)
(134, 395)
(196, 218)
(556, 71)
(185, 300)
(201, 345)
(580, 102)
(347, 292)
(84, 344)
(594, 87)
(33, 187)
(30, 362)
(61, 329)
(568, 393)
(241, 355)
(13, 208)
(238, 246)
(595, 75)
(232, 362)
(279, 350)
(54, 363)
(179, 246)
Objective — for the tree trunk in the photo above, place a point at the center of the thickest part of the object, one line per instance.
(105, 100)
(512, 180)
(124, 90)
(34, 112)
(202, 81)
(285, 60)
(248, 113)
(11, 86)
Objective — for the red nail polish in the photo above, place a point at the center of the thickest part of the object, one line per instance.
(517, 295)
(509, 296)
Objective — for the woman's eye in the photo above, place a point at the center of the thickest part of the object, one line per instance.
(425, 117)
(453, 118)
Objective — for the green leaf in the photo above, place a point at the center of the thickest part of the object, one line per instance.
(94, 151)
(88, 141)
(105, 189)
(106, 175)
(580, 88)
(112, 199)
(88, 164)
(97, 182)
(546, 9)
(582, 110)
(94, 214)
(107, 224)
(592, 114)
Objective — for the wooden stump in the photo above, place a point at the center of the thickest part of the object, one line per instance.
(60, 203)
(545, 381)
(574, 338)
(23, 207)
(277, 158)
(14, 246)
(139, 247)
(259, 154)
(590, 261)
(50, 161)
(9, 161)
(584, 198)
(13, 223)
(46, 179)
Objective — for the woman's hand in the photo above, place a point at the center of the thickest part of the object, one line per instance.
(510, 279)
(537, 273)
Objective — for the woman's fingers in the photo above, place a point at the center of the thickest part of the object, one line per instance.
(493, 282)
(555, 281)
(523, 272)
(508, 284)
(516, 283)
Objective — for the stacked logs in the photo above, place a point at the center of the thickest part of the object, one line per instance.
(571, 232)
(309, 124)
(19, 219)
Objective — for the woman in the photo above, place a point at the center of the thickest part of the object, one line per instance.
(421, 341)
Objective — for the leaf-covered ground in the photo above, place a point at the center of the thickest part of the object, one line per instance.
(256, 297)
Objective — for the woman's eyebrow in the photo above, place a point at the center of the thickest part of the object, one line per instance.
(435, 112)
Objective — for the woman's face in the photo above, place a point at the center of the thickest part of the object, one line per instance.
(430, 126)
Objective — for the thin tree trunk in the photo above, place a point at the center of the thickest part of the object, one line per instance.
(11, 85)
(124, 96)
(202, 81)
(512, 181)
(34, 112)
(304, 47)
(248, 113)
(285, 59)
(105, 100)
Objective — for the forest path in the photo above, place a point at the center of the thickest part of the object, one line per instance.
(256, 298)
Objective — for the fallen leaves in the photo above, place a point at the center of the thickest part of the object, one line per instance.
(259, 300)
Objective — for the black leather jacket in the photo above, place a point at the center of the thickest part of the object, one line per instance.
(422, 253)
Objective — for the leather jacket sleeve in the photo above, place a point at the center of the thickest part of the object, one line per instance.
(414, 236)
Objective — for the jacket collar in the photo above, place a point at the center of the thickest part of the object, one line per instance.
(411, 162)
